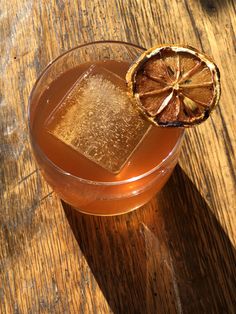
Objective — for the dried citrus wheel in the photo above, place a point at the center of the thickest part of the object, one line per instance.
(174, 85)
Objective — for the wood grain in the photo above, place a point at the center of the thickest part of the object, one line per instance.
(174, 255)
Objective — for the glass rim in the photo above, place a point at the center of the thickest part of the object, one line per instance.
(59, 169)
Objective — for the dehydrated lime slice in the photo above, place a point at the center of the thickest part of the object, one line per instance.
(174, 85)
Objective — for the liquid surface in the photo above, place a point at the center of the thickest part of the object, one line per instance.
(154, 148)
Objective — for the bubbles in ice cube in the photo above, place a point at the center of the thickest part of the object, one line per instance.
(97, 119)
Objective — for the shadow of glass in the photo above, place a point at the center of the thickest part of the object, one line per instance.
(203, 256)
(170, 256)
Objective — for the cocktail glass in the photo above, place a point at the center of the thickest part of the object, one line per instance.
(89, 196)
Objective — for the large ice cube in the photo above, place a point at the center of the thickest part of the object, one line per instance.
(97, 119)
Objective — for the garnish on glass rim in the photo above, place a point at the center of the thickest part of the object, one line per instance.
(174, 86)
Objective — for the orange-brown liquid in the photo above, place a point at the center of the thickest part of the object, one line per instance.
(154, 148)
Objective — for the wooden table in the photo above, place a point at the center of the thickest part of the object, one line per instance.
(174, 255)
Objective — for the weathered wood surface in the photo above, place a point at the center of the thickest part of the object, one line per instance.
(176, 254)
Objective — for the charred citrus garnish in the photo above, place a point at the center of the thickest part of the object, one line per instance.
(174, 85)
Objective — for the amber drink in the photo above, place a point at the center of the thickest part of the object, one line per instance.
(94, 148)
